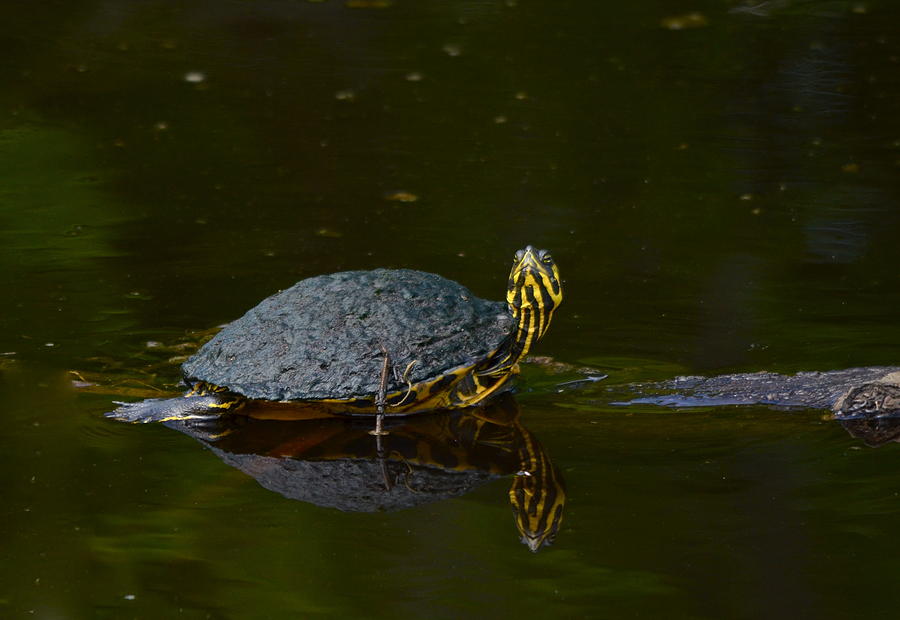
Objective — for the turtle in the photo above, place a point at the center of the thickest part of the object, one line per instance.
(386, 341)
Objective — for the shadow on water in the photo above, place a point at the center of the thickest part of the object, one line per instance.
(336, 462)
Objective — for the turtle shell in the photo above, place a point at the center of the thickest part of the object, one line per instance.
(322, 338)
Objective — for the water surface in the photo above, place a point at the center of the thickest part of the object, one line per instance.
(720, 190)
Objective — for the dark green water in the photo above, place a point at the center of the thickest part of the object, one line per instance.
(719, 198)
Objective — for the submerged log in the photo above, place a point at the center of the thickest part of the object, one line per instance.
(852, 392)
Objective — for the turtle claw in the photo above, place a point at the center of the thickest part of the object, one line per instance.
(141, 412)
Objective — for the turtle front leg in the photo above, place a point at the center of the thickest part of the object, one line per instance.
(381, 397)
(475, 388)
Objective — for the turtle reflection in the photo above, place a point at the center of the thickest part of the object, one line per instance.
(336, 462)
(873, 431)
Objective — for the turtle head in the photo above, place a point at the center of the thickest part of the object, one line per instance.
(533, 293)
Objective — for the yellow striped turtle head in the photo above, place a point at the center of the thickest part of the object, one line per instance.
(533, 293)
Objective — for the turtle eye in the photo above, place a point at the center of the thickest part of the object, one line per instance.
(547, 259)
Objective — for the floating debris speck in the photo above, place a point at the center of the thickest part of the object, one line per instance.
(139, 295)
(683, 22)
(194, 77)
(401, 196)
(368, 4)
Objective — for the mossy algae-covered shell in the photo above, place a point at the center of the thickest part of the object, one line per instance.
(323, 337)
